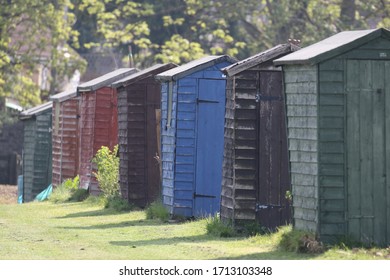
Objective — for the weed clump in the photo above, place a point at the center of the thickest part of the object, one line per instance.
(298, 241)
(157, 210)
(68, 191)
(216, 227)
(118, 204)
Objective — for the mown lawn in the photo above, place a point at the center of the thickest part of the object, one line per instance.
(85, 230)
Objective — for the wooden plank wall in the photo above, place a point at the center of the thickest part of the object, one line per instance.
(11, 143)
(65, 140)
(331, 150)
(227, 192)
(87, 122)
(28, 158)
(302, 111)
(168, 134)
(37, 155)
(133, 153)
(123, 142)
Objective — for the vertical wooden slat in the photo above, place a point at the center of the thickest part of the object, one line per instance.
(366, 150)
(379, 164)
(353, 146)
(387, 128)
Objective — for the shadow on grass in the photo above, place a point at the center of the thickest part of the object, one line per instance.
(272, 255)
(132, 223)
(172, 240)
(95, 213)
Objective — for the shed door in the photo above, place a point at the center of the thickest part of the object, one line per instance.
(273, 178)
(368, 150)
(210, 131)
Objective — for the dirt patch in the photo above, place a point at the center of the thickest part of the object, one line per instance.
(8, 194)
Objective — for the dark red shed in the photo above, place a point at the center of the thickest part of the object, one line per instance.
(65, 136)
(98, 122)
(139, 99)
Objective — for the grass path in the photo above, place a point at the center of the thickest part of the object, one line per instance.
(86, 231)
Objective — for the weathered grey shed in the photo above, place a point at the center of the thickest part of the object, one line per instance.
(192, 125)
(37, 149)
(255, 165)
(338, 100)
(139, 101)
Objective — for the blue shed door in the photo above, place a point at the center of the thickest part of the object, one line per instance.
(210, 133)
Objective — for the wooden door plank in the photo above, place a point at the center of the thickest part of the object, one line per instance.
(353, 149)
(379, 164)
(387, 128)
(366, 150)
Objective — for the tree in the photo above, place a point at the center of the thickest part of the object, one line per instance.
(35, 33)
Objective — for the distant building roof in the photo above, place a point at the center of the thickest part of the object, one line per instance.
(332, 46)
(193, 66)
(105, 80)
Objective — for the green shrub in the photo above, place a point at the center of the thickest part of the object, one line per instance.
(157, 210)
(107, 173)
(254, 228)
(65, 191)
(215, 226)
(118, 204)
(299, 241)
(79, 195)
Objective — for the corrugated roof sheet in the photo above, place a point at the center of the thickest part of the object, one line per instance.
(143, 74)
(259, 58)
(65, 95)
(331, 46)
(193, 66)
(106, 79)
(36, 110)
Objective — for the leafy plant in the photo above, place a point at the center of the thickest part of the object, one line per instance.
(299, 241)
(157, 210)
(117, 203)
(254, 228)
(215, 226)
(107, 171)
(67, 191)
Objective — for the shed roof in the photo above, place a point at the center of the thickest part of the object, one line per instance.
(193, 66)
(106, 79)
(151, 71)
(27, 114)
(65, 95)
(259, 58)
(332, 46)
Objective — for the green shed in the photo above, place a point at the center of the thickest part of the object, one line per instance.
(338, 118)
(37, 150)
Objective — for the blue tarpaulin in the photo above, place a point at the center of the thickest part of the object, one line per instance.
(20, 189)
(44, 194)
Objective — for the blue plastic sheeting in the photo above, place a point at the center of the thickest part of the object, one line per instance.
(44, 194)
(20, 189)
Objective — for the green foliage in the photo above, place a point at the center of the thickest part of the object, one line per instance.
(68, 191)
(216, 227)
(79, 195)
(298, 241)
(33, 37)
(117, 203)
(253, 229)
(157, 210)
(107, 171)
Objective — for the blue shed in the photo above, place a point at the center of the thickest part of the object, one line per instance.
(192, 135)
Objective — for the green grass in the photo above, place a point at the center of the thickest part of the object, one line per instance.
(86, 230)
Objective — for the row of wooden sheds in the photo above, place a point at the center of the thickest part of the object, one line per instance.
(217, 135)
